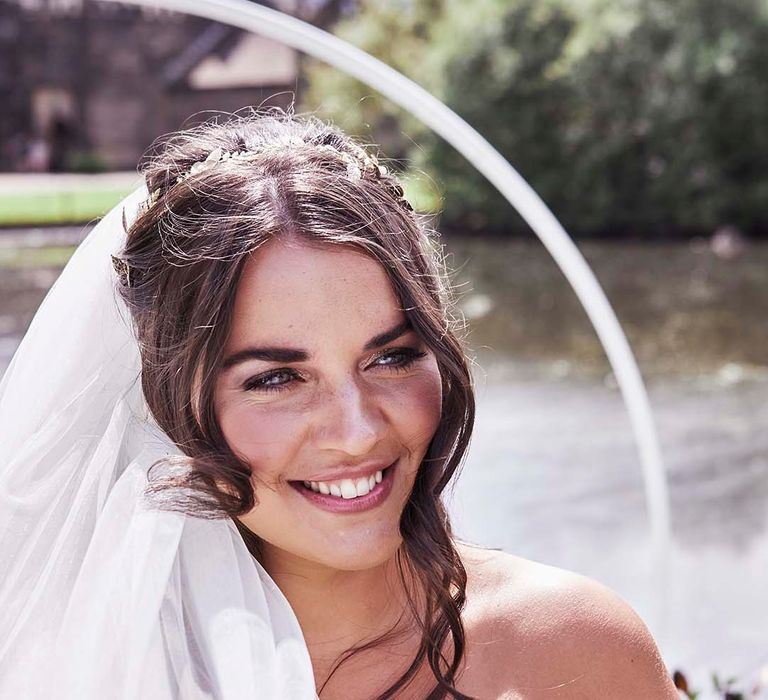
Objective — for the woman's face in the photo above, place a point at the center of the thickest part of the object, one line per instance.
(326, 385)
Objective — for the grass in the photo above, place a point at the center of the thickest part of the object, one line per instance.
(51, 208)
(54, 256)
(62, 207)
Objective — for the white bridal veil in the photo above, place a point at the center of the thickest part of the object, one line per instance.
(102, 597)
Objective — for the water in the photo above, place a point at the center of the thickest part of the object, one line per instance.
(553, 475)
(553, 472)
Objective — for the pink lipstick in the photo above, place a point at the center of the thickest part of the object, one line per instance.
(357, 504)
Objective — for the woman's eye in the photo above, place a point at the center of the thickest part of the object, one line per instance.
(281, 379)
(276, 380)
(399, 358)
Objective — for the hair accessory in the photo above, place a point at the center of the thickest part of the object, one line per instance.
(358, 165)
(122, 270)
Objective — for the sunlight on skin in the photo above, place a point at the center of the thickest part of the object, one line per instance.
(340, 408)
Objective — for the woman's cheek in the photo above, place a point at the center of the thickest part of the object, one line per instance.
(261, 434)
(418, 406)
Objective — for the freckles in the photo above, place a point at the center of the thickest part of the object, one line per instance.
(417, 406)
(260, 434)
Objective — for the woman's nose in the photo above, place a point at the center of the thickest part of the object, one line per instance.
(350, 421)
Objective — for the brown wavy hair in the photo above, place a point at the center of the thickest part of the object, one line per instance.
(180, 269)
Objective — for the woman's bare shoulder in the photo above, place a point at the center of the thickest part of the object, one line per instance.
(539, 631)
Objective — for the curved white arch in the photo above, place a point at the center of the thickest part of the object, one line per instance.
(410, 96)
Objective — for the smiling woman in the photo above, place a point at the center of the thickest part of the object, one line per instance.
(263, 515)
(349, 414)
(344, 419)
(300, 335)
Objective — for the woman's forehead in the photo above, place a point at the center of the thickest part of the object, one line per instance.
(291, 289)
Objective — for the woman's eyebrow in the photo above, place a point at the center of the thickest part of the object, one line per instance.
(288, 355)
(388, 336)
(270, 354)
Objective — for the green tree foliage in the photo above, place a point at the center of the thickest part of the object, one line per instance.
(641, 116)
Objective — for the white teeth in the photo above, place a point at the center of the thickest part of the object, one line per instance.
(362, 486)
(348, 489)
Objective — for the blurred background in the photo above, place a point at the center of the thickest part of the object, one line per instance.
(642, 123)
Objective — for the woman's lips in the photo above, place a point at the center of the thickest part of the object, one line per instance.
(338, 504)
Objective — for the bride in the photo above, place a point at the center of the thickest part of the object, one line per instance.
(224, 443)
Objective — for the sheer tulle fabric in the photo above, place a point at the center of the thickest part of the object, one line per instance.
(102, 596)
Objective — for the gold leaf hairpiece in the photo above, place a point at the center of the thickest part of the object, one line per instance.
(357, 165)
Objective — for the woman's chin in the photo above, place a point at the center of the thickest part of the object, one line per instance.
(358, 558)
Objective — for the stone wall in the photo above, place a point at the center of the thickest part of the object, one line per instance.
(96, 83)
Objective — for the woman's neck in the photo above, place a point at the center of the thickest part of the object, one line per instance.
(341, 610)
(338, 609)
